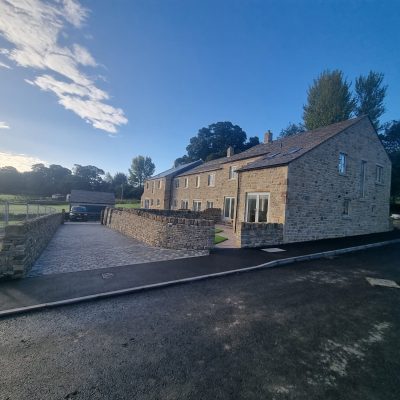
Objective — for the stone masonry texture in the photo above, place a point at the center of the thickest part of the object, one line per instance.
(170, 230)
(23, 244)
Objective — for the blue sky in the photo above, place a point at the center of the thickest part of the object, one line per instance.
(99, 82)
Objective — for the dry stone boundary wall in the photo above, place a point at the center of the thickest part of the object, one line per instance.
(22, 244)
(163, 228)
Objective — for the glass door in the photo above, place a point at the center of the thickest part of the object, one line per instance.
(257, 207)
(229, 208)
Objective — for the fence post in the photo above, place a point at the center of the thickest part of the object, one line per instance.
(37, 212)
(27, 211)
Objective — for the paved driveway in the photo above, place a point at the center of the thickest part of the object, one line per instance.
(85, 246)
(311, 331)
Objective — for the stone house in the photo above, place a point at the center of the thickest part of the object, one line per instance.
(157, 191)
(330, 182)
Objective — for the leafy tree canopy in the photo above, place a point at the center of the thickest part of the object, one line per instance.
(141, 169)
(292, 129)
(212, 142)
(329, 100)
(369, 96)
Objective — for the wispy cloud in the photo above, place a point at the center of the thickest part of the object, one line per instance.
(21, 162)
(3, 125)
(33, 28)
(3, 65)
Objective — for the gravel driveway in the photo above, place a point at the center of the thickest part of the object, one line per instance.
(82, 246)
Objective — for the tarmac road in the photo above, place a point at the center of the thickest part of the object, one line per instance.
(312, 330)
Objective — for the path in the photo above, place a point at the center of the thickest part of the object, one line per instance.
(85, 246)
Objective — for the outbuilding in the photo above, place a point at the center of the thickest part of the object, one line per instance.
(94, 202)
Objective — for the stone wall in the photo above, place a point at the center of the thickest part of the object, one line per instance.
(258, 234)
(317, 191)
(160, 228)
(22, 244)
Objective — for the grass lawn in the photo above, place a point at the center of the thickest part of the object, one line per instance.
(134, 204)
(219, 239)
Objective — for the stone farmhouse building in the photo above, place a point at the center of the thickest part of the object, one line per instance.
(330, 182)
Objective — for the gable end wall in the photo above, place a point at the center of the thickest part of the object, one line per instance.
(316, 190)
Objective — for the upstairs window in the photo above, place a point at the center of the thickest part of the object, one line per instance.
(153, 186)
(342, 163)
(159, 184)
(211, 180)
(186, 182)
(147, 185)
(197, 181)
(176, 183)
(379, 174)
(232, 172)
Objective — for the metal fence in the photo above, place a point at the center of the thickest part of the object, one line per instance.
(12, 213)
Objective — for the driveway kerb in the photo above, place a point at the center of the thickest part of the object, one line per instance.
(270, 264)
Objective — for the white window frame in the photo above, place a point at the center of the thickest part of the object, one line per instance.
(158, 202)
(153, 186)
(258, 194)
(208, 203)
(197, 181)
(196, 208)
(232, 174)
(176, 183)
(159, 184)
(211, 180)
(230, 208)
(186, 204)
(186, 183)
(146, 203)
(151, 202)
(379, 176)
(344, 171)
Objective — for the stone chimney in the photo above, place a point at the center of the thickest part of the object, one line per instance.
(230, 151)
(268, 137)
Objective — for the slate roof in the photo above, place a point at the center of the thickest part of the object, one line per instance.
(284, 151)
(177, 170)
(281, 151)
(88, 197)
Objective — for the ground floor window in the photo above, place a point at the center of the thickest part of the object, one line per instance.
(210, 204)
(175, 203)
(229, 207)
(257, 207)
(184, 204)
(196, 205)
(146, 203)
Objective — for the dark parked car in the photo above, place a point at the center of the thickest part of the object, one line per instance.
(78, 213)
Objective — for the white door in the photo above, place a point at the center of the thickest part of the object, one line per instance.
(229, 208)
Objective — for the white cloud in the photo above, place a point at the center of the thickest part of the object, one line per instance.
(3, 125)
(33, 28)
(21, 162)
(2, 65)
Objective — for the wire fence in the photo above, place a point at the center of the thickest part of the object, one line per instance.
(12, 213)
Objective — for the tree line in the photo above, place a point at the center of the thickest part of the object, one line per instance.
(56, 179)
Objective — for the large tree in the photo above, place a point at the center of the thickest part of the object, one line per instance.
(213, 141)
(391, 141)
(329, 100)
(369, 96)
(88, 177)
(292, 129)
(141, 169)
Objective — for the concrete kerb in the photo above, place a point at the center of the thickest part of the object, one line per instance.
(270, 264)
